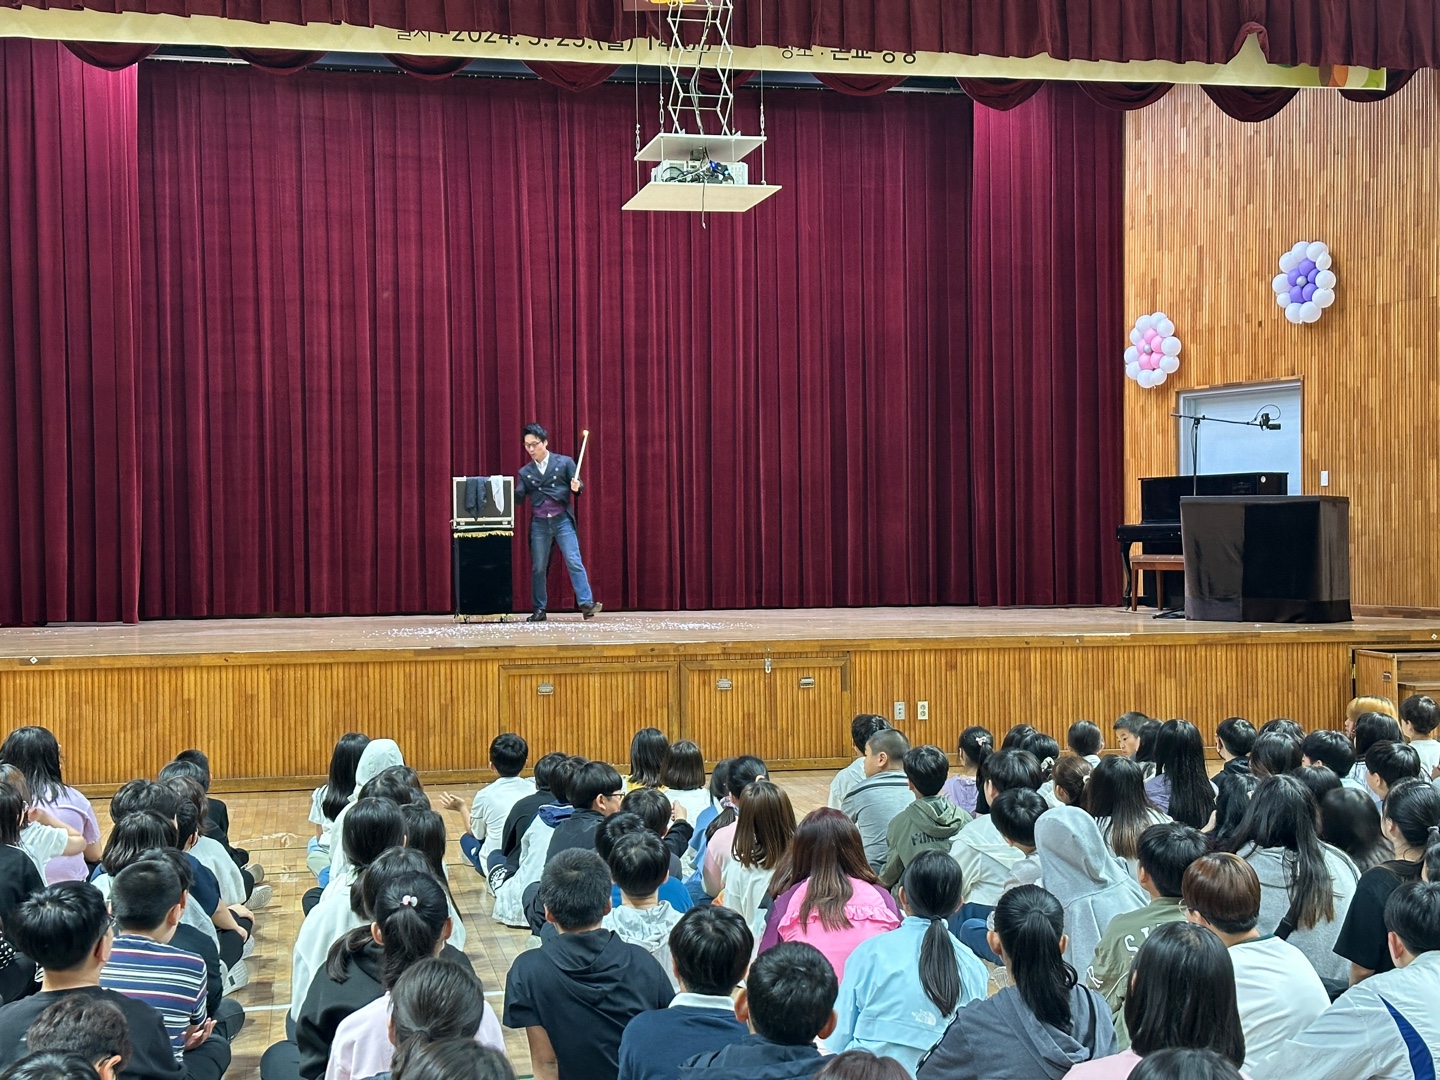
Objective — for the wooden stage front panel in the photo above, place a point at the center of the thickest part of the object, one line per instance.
(267, 698)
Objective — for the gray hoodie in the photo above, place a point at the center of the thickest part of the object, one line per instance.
(1092, 885)
(999, 1038)
(872, 804)
(649, 928)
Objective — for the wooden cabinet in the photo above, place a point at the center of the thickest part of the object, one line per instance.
(588, 709)
(792, 712)
(1396, 674)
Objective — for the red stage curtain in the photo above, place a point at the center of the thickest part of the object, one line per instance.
(1401, 34)
(428, 67)
(108, 55)
(859, 85)
(277, 61)
(1001, 94)
(1250, 105)
(1047, 327)
(574, 77)
(1126, 97)
(69, 246)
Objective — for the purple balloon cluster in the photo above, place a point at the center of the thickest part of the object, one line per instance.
(1302, 282)
(1305, 286)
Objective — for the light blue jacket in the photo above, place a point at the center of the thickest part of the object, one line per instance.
(883, 1008)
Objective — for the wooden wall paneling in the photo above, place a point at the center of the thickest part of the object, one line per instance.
(593, 709)
(1210, 205)
(812, 723)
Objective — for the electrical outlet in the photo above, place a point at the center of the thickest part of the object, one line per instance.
(922, 710)
(899, 710)
(1324, 477)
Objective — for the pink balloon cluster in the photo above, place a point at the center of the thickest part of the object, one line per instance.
(1154, 352)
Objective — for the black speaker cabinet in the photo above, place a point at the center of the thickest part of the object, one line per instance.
(480, 571)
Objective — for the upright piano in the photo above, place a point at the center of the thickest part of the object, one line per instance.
(1158, 531)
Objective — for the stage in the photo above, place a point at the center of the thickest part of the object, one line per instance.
(268, 697)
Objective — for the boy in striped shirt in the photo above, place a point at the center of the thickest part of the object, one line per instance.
(147, 900)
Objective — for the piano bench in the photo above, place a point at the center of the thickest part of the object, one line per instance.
(1156, 564)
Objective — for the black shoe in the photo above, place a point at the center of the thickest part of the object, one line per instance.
(591, 610)
(539, 616)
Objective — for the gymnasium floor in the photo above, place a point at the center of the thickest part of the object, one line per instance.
(273, 828)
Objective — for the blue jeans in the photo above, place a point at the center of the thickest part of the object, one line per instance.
(544, 533)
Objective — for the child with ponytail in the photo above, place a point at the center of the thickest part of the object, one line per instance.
(1043, 1025)
(901, 989)
(962, 789)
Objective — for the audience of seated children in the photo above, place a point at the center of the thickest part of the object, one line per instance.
(1129, 727)
(1014, 814)
(1092, 886)
(623, 824)
(1412, 810)
(975, 745)
(520, 817)
(510, 884)
(331, 797)
(89, 1027)
(985, 858)
(215, 828)
(184, 784)
(639, 865)
(42, 835)
(649, 748)
(1275, 753)
(762, 836)
(146, 899)
(1115, 797)
(1234, 739)
(596, 790)
(1387, 764)
(1305, 885)
(20, 876)
(409, 919)
(861, 728)
(1276, 990)
(1350, 821)
(1069, 780)
(1386, 1027)
(1086, 740)
(720, 833)
(788, 1003)
(1180, 787)
(1182, 995)
(663, 818)
(901, 989)
(1419, 717)
(929, 820)
(1333, 750)
(377, 756)
(35, 752)
(433, 993)
(1040, 1027)
(482, 841)
(1166, 852)
(873, 803)
(1371, 728)
(709, 951)
(66, 929)
(683, 780)
(826, 894)
(577, 991)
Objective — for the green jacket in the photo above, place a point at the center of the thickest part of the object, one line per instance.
(1109, 972)
(926, 823)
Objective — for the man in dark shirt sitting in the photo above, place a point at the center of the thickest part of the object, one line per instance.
(575, 994)
(66, 929)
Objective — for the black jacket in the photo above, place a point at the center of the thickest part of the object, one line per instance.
(521, 815)
(554, 484)
(754, 1058)
(151, 1057)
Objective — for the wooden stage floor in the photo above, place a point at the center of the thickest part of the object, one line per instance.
(268, 697)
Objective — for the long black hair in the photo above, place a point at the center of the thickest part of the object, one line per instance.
(1030, 923)
(453, 1059)
(648, 750)
(743, 772)
(1182, 993)
(1282, 814)
(1117, 792)
(425, 833)
(341, 782)
(36, 753)
(411, 914)
(976, 744)
(1373, 727)
(434, 999)
(932, 887)
(1413, 807)
(12, 814)
(1350, 822)
(371, 826)
(1180, 755)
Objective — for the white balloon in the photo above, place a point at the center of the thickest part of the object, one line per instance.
(1146, 379)
(1292, 312)
(1299, 248)
(1283, 298)
(1325, 279)
(1170, 365)
(1132, 354)
(1145, 322)
(1323, 263)
(1136, 337)
(1132, 371)
(1157, 317)
(1158, 377)
(1315, 250)
(1310, 311)
(1324, 297)
(1281, 283)
(1165, 328)
(1170, 346)
(1289, 261)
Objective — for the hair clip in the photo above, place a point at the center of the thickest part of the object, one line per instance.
(409, 901)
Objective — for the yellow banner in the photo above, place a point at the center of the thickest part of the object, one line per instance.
(1249, 68)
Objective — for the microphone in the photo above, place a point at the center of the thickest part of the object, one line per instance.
(1267, 424)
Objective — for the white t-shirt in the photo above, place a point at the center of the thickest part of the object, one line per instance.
(43, 843)
(492, 806)
(1429, 751)
(1278, 995)
(844, 780)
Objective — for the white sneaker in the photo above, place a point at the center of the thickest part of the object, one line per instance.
(236, 977)
(249, 946)
(260, 896)
(256, 871)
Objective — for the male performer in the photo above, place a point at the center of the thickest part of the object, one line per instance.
(550, 483)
